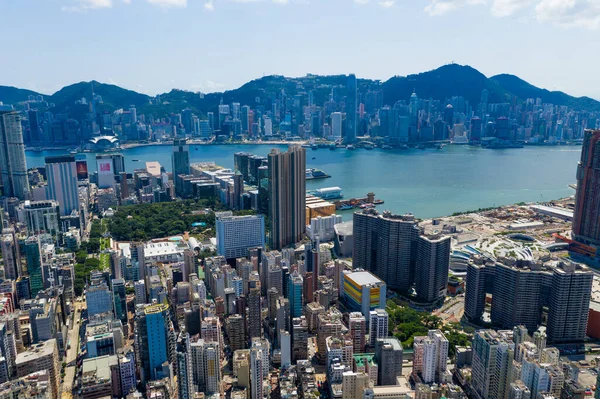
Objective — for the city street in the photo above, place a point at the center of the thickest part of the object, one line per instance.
(71, 358)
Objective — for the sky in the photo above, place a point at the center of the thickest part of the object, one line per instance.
(152, 46)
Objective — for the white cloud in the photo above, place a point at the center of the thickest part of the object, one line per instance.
(361, 2)
(209, 5)
(440, 7)
(169, 3)
(84, 5)
(568, 13)
(280, 1)
(387, 3)
(504, 8)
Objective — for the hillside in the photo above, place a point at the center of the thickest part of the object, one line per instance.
(439, 84)
(522, 89)
(12, 95)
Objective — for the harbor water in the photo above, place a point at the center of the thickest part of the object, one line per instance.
(427, 183)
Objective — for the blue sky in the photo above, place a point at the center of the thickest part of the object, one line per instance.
(152, 46)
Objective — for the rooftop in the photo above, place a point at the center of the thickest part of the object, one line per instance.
(98, 368)
(363, 278)
(45, 348)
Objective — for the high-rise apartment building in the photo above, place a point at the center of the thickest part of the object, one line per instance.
(378, 325)
(431, 268)
(257, 369)
(41, 217)
(386, 246)
(357, 326)
(42, 356)
(61, 172)
(13, 164)
(236, 332)
(586, 218)
(521, 289)
(206, 366)
(388, 353)
(493, 355)
(287, 196)
(254, 311)
(185, 375)
(569, 303)
(431, 356)
(237, 234)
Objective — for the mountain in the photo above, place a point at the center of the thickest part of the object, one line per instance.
(439, 84)
(12, 95)
(521, 89)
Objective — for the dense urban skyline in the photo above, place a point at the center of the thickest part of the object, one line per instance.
(521, 38)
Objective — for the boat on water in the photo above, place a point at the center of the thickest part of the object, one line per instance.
(439, 146)
(420, 147)
(404, 147)
(312, 173)
(378, 201)
(350, 147)
(332, 147)
(367, 206)
(345, 207)
(314, 146)
(305, 146)
(386, 147)
(327, 193)
(135, 160)
(369, 147)
(314, 157)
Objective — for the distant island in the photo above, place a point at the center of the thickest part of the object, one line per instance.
(452, 104)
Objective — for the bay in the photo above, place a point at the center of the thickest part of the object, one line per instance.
(427, 183)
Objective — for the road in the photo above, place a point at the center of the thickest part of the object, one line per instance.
(71, 358)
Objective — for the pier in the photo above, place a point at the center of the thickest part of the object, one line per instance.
(364, 202)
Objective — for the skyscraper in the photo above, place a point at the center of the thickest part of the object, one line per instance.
(431, 269)
(154, 341)
(13, 164)
(11, 254)
(569, 303)
(386, 245)
(34, 265)
(294, 294)
(287, 196)
(586, 218)
(181, 162)
(351, 125)
(61, 172)
(336, 126)
(119, 299)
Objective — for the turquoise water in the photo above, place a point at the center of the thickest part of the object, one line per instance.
(427, 183)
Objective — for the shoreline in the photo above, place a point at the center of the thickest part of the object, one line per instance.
(165, 143)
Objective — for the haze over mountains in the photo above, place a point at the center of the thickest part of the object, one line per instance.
(439, 84)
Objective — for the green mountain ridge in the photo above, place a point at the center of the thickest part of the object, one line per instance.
(438, 84)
